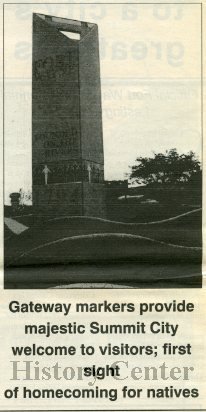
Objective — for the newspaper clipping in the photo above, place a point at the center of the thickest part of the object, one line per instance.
(102, 299)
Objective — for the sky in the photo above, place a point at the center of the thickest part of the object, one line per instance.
(150, 59)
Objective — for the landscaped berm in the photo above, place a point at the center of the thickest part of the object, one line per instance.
(68, 251)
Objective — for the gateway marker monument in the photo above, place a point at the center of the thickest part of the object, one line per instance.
(67, 141)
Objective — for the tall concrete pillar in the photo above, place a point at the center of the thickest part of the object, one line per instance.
(67, 141)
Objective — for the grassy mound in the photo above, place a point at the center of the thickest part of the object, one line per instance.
(184, 231)
(106, 247)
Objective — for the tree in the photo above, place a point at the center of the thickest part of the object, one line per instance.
(169, 168)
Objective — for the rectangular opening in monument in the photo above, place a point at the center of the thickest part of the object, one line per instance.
(71, 35)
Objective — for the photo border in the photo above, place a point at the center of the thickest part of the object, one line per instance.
(201, 127)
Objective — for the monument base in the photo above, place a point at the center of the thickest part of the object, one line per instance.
(71, 199)
(94, 199)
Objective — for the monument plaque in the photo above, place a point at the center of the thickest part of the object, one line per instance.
(67, 141)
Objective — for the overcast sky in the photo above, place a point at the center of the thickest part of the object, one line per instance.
(150, 76)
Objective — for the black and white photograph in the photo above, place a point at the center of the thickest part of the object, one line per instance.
(102, 145)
